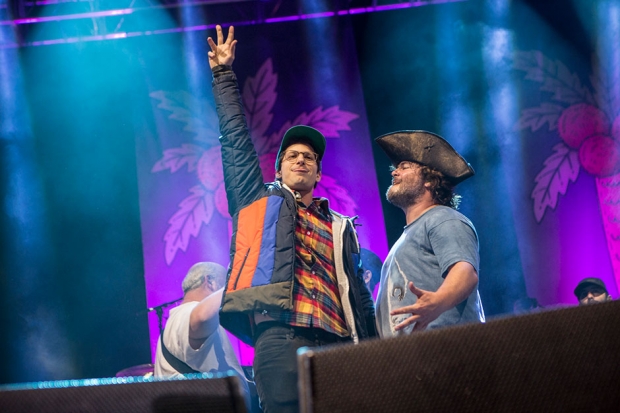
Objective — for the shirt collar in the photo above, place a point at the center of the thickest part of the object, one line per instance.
(319, 202)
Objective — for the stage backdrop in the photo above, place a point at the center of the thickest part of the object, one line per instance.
(530, 95)
(284, 81)
(527, 91)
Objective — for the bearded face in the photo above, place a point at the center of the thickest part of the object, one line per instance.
(407, 186)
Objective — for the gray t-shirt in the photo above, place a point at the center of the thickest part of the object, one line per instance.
(424, 253)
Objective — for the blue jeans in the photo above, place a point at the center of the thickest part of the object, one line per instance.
(275, 362)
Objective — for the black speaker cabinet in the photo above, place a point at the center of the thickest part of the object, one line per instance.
(564, 360)
(202, 393)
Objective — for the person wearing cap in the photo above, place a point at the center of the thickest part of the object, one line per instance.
(295, 278)
(430, 276)
(193, 340)
(371, 264)
(591, 291)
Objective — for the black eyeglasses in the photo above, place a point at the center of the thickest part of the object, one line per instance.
(309, 157)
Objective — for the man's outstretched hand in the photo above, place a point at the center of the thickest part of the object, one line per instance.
(460, 282)
(426, 309)
(222, 53)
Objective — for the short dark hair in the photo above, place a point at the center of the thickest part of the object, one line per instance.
(441, 189)
(293, 141)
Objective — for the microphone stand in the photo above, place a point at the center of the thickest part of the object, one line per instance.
(159, 310)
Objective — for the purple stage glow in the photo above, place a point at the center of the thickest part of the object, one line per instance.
(128, 11)
(50, 2)
(90, 15)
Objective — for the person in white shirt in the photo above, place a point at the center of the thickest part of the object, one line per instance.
(194, 341)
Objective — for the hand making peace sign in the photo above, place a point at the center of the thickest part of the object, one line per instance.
(224, 52)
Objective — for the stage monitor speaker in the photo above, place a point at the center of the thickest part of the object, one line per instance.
(201, 393)
(563, 360)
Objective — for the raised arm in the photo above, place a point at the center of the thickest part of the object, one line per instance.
(242, 173)
(204, 319)
(222, 53)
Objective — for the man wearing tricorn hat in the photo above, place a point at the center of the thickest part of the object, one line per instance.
(294, 279)
(430, 277)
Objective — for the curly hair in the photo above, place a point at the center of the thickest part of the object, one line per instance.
(442, 190)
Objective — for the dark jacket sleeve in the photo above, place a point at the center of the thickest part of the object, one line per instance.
(242, 174)
(358, 292)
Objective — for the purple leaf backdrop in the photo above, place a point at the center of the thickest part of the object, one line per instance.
(528, 91)
(588, 124)
(532, 103)
(544, 199)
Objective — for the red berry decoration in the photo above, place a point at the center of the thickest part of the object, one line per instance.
(221, 202)
(600, 156)
(580, 121)
(209, 168)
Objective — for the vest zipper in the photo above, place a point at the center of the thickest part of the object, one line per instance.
(241, 269)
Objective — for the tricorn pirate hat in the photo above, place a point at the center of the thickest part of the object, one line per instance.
(426, 148)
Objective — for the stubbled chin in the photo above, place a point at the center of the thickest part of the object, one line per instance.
(390, 193)
(300, 183)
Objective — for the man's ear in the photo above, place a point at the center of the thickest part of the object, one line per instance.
(278, 174)
(318, 176)
(210, 284)
(367, 276)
